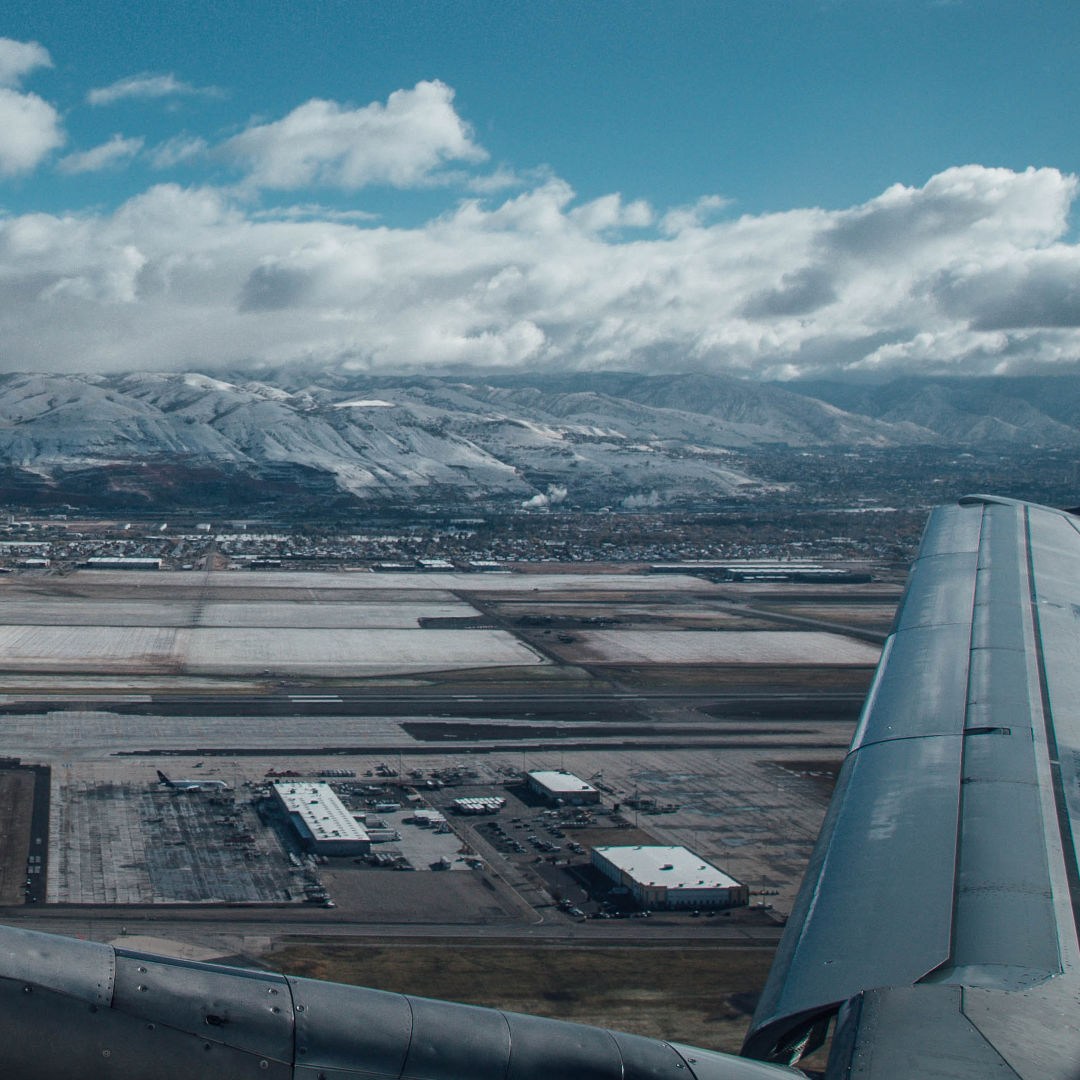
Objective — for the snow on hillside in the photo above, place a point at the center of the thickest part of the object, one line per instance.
(604, 438)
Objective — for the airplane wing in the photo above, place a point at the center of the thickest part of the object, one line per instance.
(77, 1010)
(937, 922)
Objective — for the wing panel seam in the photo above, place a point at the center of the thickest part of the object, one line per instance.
(1068, 847)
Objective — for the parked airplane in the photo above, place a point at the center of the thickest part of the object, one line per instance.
(192, 785)
(935, 934)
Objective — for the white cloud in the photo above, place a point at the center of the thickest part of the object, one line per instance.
(29, 130)
(610, 212)
(19, 58)
(502, 179)
(692, 217)
(402, 143)
(117, 151)
(177, 151)
(147, 86)
(971, 272)
(310, 212)
(29, 126)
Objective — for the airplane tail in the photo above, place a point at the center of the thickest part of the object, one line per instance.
(163, 779)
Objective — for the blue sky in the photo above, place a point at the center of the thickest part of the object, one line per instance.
(435, 185)
(774, 104)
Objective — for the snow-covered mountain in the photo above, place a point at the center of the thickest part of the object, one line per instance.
(589, 439)
(968, 411)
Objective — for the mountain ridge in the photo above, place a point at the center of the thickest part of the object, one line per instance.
(590, 438)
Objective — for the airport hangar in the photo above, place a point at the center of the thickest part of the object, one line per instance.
(323, 823)
(669, 877)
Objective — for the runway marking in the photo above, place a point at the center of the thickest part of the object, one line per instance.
(315, 697)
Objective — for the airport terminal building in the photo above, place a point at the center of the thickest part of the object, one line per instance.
(320, 819)
(563, 787)
(669, 877)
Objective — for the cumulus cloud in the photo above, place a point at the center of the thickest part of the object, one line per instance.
(799, 292)
(29, 130)
(970, 202)
(147, 86)
(1039, 289)
(402, 143)
(117, 151)
(19, 58)
(971, 272)
(30, 127)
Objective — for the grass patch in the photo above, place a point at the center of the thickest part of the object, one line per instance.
(702, 996)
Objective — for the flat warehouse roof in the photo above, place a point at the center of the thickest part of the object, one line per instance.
(321, 811)
(673, 867)
(562, 782)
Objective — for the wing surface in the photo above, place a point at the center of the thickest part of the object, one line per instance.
(76, 1010)
(937, 920)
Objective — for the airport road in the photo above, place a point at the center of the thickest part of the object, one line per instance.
(862, 633)
(107, 924)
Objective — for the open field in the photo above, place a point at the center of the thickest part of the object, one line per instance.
(422, 898)
(726, 647)
(287, 614)
(342, 626)
(251, 650)
(702, 996)
(350, 652)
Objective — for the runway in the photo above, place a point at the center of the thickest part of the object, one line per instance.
(294, 702)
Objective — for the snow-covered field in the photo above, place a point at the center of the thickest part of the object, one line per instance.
(724, 647)
(80, 648)
(179, 613)
(78, 611)
(353, 625)
(474, 582)
(254, 651)
(351, 652)
(364, 615)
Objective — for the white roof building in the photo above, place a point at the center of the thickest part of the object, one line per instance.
(669, 877)
(320, 818)
(563, 786)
